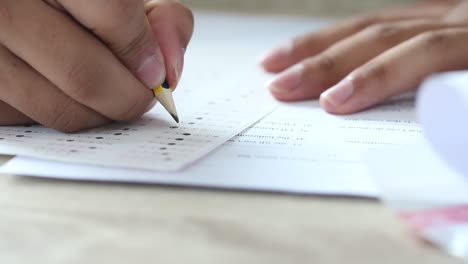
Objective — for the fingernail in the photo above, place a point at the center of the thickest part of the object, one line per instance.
(151, 72)
(281, 53)
(340, 93)
(287, 81)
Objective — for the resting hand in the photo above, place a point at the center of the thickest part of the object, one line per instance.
(366, 60)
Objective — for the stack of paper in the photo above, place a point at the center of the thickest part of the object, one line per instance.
(295, 148)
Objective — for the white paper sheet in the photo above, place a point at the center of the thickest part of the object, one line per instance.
(298, 148)
(443, 111)
(416, 178)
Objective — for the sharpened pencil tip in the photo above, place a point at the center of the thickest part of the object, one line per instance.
(176, 118)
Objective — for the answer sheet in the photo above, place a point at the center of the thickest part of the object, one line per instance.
(297, 149)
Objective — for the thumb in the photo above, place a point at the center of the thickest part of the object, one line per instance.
(123, 26)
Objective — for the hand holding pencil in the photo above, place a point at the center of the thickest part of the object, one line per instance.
(78, 64)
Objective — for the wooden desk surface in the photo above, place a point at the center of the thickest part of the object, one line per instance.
(47, 221)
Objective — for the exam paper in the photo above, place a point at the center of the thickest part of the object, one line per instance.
(298, 148)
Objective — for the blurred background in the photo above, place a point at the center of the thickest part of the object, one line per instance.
(296, 7)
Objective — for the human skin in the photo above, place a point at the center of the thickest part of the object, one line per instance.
(78, 64)
(364, 60)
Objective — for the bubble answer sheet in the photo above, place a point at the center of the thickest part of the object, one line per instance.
(296, 149)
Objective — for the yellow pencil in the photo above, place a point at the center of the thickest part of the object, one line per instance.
(163, 94)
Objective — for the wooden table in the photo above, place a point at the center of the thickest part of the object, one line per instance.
(48, 221)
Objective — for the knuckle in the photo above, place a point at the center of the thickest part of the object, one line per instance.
(317, 72)
(434, 39)
(63, 118)
(69, 116)
(325, 63)
(373, 71)
(302, 45)
(81, 81)
(84, 84)
(385, 32)
(136, 45)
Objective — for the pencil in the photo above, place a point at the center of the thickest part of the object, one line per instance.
(163, 94)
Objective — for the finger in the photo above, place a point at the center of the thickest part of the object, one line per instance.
(34, 96)
(55, 4)
(458, 13)
(9, 116)
(398, 70)
(72, 59)
(172, 24)
(124, 27)
(315, 42)
(312, 76)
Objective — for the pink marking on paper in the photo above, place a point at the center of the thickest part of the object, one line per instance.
(423, 219)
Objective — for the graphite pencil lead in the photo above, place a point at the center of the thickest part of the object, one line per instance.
(176, 118)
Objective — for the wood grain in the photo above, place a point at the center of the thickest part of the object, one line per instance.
(48, 221)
